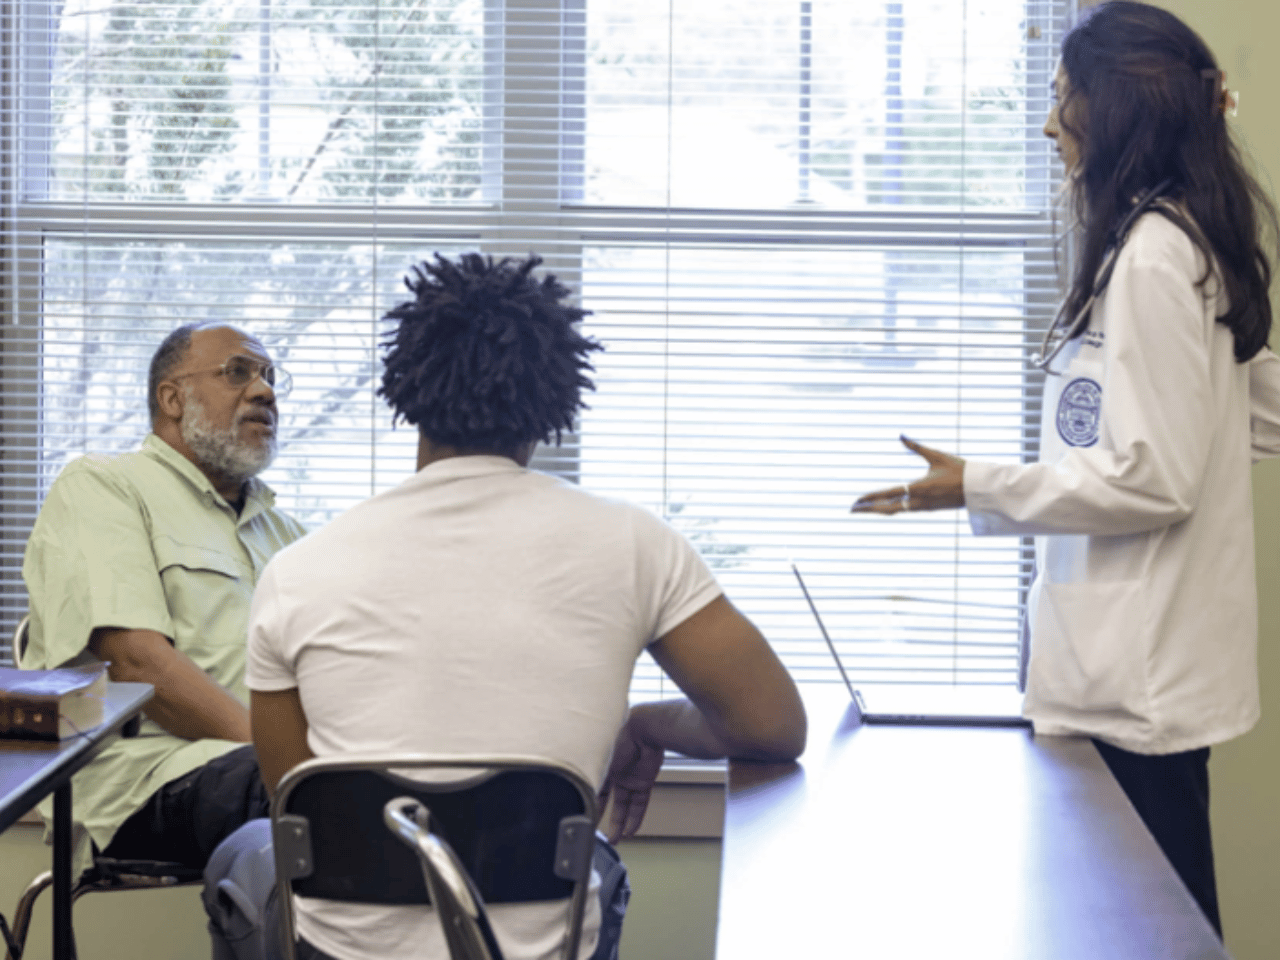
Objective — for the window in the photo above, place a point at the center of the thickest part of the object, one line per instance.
(802, 226)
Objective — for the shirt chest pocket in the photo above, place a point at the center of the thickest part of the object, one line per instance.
(208, 594)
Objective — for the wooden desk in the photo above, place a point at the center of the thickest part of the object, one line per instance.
(919, 843)
(30, 772)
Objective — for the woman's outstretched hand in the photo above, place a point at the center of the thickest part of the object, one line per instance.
(941, 488)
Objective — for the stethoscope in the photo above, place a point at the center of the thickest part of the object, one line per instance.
(1059, 335)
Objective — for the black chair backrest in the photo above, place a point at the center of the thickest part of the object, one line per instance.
(504, 831)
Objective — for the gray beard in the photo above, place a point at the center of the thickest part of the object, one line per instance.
(222, 451)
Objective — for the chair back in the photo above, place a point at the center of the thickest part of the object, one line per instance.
(523, 829)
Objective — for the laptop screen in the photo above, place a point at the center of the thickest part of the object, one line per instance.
(979, 704)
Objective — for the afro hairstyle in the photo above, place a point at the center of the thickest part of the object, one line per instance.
(486, 357)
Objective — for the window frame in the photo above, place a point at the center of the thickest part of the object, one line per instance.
(527, 208)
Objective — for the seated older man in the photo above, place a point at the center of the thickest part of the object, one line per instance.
(149, 561)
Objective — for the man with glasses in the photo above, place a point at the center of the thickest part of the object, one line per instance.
(149, 561)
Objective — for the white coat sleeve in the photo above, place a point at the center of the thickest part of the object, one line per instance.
(1156, 414)
(1264, 404)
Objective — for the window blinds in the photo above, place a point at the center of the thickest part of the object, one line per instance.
(802, 227)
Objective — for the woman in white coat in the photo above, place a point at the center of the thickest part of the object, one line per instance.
(1161, 393)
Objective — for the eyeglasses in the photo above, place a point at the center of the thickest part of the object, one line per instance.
(240, 371)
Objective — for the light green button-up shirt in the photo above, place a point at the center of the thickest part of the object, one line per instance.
(144, 542)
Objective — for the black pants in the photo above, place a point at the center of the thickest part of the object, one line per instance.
(188, 817)
(1171, 794)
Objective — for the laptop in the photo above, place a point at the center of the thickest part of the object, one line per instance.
(924, 705)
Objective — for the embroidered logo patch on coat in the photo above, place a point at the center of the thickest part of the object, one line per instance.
(1080, 412)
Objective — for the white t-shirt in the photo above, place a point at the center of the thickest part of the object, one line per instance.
(1144, 609)
(476, 608)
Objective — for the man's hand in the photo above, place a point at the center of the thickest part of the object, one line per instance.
(741, 703)
(632, 774)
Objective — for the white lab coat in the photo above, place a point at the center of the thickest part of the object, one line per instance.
(1143, 613)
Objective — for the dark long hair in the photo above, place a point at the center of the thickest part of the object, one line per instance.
(1144, 102)
(486, 357)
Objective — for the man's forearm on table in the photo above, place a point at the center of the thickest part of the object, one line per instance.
(679, 726)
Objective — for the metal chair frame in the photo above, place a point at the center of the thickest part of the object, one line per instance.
(464, 920)
(106, 873)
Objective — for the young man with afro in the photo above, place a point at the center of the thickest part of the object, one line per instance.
(484, 607)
